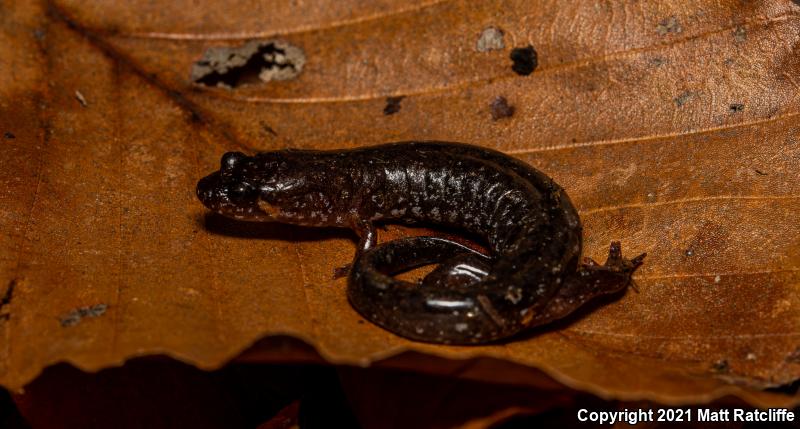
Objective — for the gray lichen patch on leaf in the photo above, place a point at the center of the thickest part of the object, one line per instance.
(74, 317)
(668, 25)
(256, 61)
(491, 39)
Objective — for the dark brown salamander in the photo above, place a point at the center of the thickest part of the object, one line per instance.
(532, 276)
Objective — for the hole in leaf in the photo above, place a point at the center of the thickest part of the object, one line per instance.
(255, 62)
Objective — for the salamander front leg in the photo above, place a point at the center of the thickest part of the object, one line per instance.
(367, 239)
(367, 235)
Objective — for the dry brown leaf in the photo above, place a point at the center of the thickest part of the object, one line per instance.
(672, 125)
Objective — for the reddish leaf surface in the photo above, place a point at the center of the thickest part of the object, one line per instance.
(672, 126)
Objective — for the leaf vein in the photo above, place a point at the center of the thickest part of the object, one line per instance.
(247, 35)
(688, 200)
(688, 337)
(640, 139)
(721, 274)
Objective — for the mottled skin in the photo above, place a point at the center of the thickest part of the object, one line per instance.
(532, 276)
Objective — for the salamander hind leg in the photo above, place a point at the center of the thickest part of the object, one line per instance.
(590, 280)
(613, 276)
(619, 267)
(615, 261)
(458, 272)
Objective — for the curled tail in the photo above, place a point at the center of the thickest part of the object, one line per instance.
(452, 305)
(461, 302)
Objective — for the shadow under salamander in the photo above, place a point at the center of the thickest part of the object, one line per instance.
(220, 225)
(564, 323)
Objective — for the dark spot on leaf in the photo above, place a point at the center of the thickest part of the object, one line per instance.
(9, 135)
(525, 60)
(256, 61)
(500, 108)
(267, 128)
(6, 299)
(736, 107)
(721, 365)
(74, 317)
(683, 98)
(392, 105)
(794, 357)
(668, 25)
(740, 34)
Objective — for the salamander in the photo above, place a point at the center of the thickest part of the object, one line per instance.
(533, 273)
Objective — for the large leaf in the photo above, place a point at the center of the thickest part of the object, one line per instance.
(672, 126)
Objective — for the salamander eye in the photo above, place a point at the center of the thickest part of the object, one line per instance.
(230, 159)
(239, 191)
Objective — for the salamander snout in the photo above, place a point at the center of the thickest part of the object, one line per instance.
(209, 190)
(226, 193)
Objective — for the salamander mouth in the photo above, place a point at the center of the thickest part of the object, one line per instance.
(242, 213)
(208, 191)
(215, 194)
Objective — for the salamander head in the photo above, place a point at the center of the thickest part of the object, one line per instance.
(247, 188)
